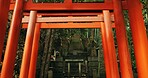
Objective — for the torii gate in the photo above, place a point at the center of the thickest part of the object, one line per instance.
(103, 20)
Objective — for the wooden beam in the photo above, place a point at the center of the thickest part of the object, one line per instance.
(122, 41)
(139, 37)
(69, 25)
(67, 19)
(28, 45)
(12, 42)
(74, 6)
(58, 14)
(66, 14)
(4, 8)
(110, 46)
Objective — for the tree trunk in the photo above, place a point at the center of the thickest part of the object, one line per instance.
(93, 45)
(48, 56)
(45, 53)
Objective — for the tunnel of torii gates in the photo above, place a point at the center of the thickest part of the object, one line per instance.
(105, 15)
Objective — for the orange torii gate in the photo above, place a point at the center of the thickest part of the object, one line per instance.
(97, 19)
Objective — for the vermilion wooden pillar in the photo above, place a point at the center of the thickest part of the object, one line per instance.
(28, 45)
(4, 8)
(68, 3)
(124, 55)
(110, 45)
(34, 54)
(11, 48)
(105, 50)
(139, 37)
